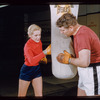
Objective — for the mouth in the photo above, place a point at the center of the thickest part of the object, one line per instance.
(37, 40)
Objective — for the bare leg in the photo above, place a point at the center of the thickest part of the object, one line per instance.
(23, 86)
(37, 85)
(81, 92)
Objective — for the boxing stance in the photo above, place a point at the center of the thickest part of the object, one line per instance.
(30, 71)
(87, 50)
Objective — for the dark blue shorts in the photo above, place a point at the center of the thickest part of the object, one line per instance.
(28, 73)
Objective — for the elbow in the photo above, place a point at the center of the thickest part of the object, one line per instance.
(31, 62)
(86, 64)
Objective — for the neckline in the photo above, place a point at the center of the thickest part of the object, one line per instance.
(34, 41)
(78, 29)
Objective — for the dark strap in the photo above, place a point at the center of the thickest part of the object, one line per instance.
(95, 80)
(94, 64)
(95, 76)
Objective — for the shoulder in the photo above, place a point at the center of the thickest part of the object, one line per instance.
(27, 45)
(84, 31)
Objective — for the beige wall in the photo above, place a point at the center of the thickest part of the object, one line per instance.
(92, 21)
(82, 20)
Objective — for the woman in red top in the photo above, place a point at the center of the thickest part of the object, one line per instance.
(30, 71)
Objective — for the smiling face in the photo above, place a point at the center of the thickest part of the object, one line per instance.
(34, 32)
(36, 36)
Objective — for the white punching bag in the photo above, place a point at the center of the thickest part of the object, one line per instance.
(59, 42)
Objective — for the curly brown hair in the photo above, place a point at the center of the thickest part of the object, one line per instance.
(66, 20)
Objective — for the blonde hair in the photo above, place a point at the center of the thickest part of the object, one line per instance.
(33, 28)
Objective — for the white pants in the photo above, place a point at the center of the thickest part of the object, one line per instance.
(89, 80)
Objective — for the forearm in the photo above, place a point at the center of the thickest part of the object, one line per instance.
(47, 51)
(36, 59)
(78, 62)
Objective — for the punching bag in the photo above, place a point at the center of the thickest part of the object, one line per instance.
(59, 42)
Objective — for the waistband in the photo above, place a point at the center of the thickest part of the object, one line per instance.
(94, 64)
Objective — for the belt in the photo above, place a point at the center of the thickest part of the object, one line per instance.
(94, 64)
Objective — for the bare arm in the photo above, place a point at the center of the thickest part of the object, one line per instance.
(83, 60)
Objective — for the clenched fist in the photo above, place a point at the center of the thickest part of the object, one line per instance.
(64, 57)
(43, 60)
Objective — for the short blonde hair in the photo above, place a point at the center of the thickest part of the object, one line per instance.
(33, 28)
